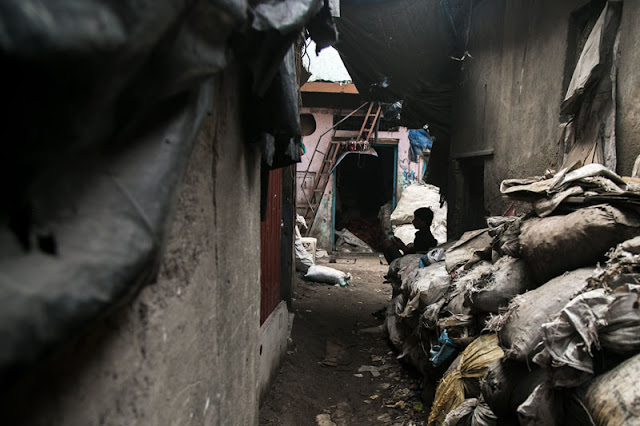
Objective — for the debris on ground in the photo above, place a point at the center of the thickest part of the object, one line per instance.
(375, 371)
(336, 354)
(543, 309)
(348, 242)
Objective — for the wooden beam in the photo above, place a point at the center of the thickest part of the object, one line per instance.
(329, 87)
(483, 153)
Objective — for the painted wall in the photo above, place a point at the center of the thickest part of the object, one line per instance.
(510, 92)
(185, 350)
(321, 228)
(407, 172)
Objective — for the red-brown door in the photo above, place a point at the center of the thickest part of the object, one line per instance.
(270, 247)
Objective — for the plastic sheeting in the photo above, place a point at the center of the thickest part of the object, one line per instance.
(106, 100)
(420, 141)
(401, 50)
(590, 135)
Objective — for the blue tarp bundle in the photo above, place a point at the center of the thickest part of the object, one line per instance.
(420, 140)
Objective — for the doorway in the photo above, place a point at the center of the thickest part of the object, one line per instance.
(363, 185)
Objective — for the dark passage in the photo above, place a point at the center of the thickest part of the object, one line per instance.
(364, 183)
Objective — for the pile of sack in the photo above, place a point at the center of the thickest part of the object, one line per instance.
(535, 319)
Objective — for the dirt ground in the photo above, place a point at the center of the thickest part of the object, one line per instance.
(340, 368)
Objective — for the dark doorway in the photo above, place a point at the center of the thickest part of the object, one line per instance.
(364, 183)
(471, 202)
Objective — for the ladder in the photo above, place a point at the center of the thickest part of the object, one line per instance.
(369, 123)
(320, 183)
(314, 198)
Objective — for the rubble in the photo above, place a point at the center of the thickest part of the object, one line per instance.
(561, 288)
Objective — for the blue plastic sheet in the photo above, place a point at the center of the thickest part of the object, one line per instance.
(445, 350)
(420, 140)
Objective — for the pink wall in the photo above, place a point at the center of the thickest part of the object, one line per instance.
(407, 172)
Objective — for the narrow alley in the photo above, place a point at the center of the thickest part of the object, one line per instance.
(320, 213)
(340, 368)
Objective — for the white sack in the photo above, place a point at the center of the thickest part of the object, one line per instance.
(325, 274)
(304, 260)
(415, 197)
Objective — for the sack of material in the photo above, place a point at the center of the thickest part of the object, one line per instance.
(429, 286)
(482, 415)
(623, 266)
(596, 319)
(507, 385)
(417, 196)
(507, 278)
(402, 265)
(554, 245)
(462, 415)
(542, 408)
(522, 330)
(324, 274)
(405, 233)
(505, 231)
(474, 361)
(401, 269)
(612, 398)
(463, 251)
(304, 259)
(397, 331)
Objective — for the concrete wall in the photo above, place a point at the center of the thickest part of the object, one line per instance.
(185, 351)
(510, 92)
(407, 172)
(628, 124)
(274, 334)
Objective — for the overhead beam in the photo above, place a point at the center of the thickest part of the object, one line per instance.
(329, 87)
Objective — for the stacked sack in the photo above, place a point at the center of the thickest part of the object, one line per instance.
(549, 329)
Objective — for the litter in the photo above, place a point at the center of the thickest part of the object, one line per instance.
(375, 371)
(335, 354)
(433, 256)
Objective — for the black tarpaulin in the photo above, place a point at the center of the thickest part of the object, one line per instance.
(105, 99)
(401, 50)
